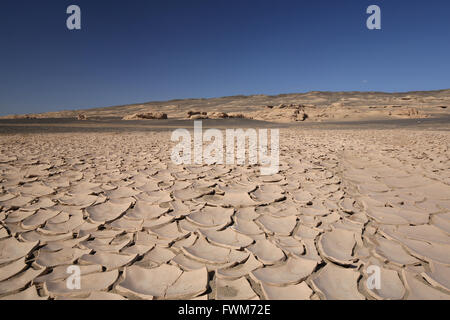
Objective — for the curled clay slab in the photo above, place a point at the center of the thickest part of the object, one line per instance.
(164, 281)
(266, 251)
(211, 217)
(202, 250)
(19, 281)
(11, 249)
(438, 276)
(279, 226)
(337, 283)
(108, 260)
(108, 211)
(228, 238)
(238, 289)
(299, 291)
(89, 283)
(338, 245)
(291, 271)
(64, 256)
(28, 294)
(241, 269)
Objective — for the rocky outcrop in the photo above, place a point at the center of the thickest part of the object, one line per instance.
(282, 113)
(217, 115)
(146, 116)
(197, 115)
(407, 113)
(23, 116)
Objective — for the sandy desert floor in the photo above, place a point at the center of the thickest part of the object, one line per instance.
(140, 227)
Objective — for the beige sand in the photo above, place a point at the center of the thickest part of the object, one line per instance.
(141, 227)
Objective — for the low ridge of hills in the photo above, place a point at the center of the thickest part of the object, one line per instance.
(312, 106)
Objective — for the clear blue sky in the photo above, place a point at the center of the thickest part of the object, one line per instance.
(144, 50)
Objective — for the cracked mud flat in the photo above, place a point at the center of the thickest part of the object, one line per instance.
(140, 227)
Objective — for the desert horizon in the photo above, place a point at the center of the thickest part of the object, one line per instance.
(313, 106)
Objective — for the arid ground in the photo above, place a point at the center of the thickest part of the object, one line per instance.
(364, 182)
